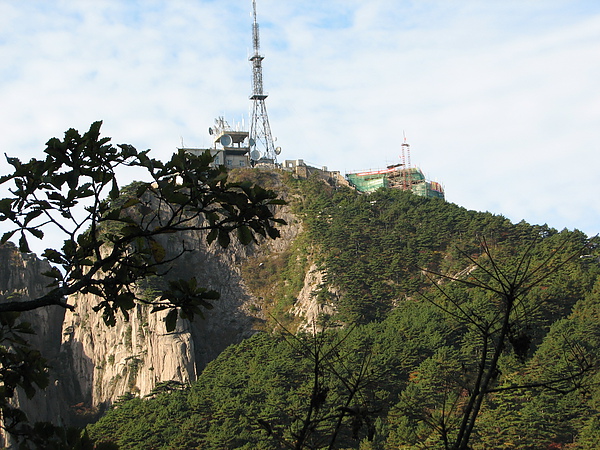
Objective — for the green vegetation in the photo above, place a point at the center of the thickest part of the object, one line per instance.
(112, 239)
(454, 329)
(277, 279)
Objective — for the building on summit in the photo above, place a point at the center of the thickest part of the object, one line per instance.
(398, 176)
(231, 147)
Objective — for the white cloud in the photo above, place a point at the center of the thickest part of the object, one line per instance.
(498, 99)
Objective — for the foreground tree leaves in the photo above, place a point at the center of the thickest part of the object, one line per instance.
(111, 238)
(110, 243)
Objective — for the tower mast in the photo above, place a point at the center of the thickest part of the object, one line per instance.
(260, 130)
(406, 169)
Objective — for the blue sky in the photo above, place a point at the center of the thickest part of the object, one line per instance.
(499, 99)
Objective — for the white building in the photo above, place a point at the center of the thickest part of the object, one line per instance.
(231, 147)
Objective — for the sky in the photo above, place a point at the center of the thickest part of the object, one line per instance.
(499, 99)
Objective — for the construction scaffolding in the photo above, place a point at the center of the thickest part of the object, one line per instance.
(396, 177)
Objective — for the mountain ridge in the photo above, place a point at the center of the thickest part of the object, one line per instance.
(343, 258)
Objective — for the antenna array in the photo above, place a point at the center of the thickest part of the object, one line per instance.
(260, 130)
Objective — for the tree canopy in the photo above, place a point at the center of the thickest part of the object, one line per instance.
(451, 329)
(467, 331)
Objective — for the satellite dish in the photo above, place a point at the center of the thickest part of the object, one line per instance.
(251, 142)
(255, 155)
(278, 151)
(226, 140)
(210, 131)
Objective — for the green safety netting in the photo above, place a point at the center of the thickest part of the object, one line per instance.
(371, 181)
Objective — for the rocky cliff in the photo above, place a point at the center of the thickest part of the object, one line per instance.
(95, 364)
(135, 355)
(21, 278)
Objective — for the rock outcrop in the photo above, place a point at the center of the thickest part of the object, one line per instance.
(306, 307)
(21, 279)
(94, 365)
(132, 357)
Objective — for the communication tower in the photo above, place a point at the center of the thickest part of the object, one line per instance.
(261, 139)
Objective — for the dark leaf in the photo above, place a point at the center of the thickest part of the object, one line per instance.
(6, 206)
(36, 232)
(23, 245)
(130, 202)
(224, 238)
(53, 256)
(6, 236)
(212, 235)
(32, 215)
(212, 295)
(273, 232)
(93, 290)
(245, 235)
(158, 251)
(125, 301)
(114, 192)
(53, 273)
(141, 190)
(277, 201)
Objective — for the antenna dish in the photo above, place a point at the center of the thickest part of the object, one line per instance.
(210, 131)
(226, 140)
(251, 142)
(278, 151)
(255, 155)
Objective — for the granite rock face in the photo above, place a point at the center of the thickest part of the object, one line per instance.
(21, 279)
(94, 365)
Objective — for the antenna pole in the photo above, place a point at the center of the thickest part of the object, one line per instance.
(406, 172)
(260, 130)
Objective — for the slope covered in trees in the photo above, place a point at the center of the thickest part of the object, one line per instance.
(453, 329)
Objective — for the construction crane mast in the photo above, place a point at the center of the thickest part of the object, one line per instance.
(261, 139)
(406, 168)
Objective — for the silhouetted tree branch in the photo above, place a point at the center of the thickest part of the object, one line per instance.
(111, 237)
(506, 284)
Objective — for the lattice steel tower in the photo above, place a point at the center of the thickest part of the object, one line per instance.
(260, 130)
